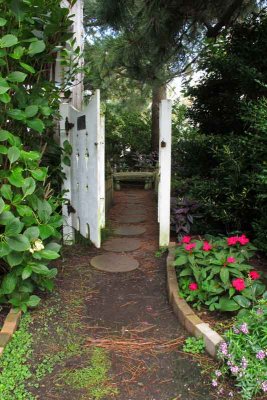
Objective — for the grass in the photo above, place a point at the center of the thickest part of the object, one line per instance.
(93, 378)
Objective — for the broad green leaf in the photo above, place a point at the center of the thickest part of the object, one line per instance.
(44, 210)
(32, 232)
(6, 217)
(33, 301)
(24, 211)
(224, 275)
(4, 135)
(17, 114)
(46, 231)
(16, 177)
(2, 205)
(17, 77)
(17, 53)
(264, 296)
(53, 246)
(26, 273)
(30, 155)
(3, 149)
(36, 47)
(18, 243)
(5, 98)
(40, 269)
(13, 154)
(36, 124)
(9, 283)
(228, 304)
(29, 186)
(258, 288)
(14, 258)
(66, 161)
(242, 301)
(3, 21)
(14, 227)
(31, 111)
(4, 86)
(8, 41)
(27, 67)
(4, 249)
(48, 254)
(39, 174)
(186, 272)
(46, 111)
(181, 260)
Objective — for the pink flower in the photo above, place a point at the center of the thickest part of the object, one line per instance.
(207, 246)
(231, 260)
(186, 239)
(238, 284)
(190, 246)
(193, 286)
(231, 241)
(254, 275)
(243, 240)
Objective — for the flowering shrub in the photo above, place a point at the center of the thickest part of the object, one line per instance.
(244, 352)
(215, 272)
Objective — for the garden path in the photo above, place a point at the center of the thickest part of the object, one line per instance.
(126, 313)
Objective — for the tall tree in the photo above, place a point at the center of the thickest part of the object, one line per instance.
(159, 39)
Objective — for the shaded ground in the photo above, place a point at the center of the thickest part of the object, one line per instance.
(126, 314)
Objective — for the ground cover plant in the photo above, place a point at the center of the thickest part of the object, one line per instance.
(244, 354)
(216, 272)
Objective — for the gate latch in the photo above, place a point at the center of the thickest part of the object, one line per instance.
(68, 125)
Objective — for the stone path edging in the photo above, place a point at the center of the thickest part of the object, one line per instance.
(9, 328)
(187, 317)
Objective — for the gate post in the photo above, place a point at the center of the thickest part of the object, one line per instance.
(164, 191)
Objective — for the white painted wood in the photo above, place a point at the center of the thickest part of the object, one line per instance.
(86, 176)
(164, 190)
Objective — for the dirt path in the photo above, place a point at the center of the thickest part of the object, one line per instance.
(126, 313)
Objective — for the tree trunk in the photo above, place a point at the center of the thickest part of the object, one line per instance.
(158, 94)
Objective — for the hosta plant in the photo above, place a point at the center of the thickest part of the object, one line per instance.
(215, 273)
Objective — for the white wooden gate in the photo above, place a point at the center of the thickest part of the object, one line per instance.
(164, 188)
(84, 210)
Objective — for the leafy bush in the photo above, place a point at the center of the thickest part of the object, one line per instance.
(182, 215)
(244, 352)
(29, 213)
(215, 273)
(194, 345)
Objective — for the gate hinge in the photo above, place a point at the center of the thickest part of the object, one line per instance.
(68, 125)
(70, 208)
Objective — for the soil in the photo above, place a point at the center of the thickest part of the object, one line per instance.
(126, 313)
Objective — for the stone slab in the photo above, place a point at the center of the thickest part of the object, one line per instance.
(111, 262)
(133, 211)
(131, 219)
(129, 230)
(120, 245)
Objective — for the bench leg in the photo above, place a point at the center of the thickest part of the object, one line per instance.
(148, 184)
(117, 185)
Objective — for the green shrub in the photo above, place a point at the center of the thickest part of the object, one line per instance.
(215, 273)
(30, 217)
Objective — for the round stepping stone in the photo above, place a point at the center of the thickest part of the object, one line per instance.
(129, 230)
(131, 219)
(120, 245)
(114, 263)
(132, 211)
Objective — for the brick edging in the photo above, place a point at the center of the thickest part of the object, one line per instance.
(187, 317)
(10, 326)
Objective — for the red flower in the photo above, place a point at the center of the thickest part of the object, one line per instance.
(254, 275)
(231, 241)
(231, 260)
(190, 246)
(207, 246)
(186, 239)
(193, 286)
(238, 284)
(243, 240)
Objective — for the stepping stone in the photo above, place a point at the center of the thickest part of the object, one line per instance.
(129, 230)
(131, 219)
(114, 263)
(120, 245)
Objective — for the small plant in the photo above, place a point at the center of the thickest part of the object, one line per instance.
(194, 345)
(162, 250)
(182, 215)
(244, 352)
(214, 272)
